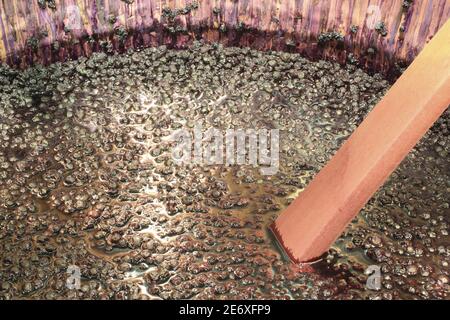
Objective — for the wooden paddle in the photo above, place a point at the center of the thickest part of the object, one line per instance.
(310, 225)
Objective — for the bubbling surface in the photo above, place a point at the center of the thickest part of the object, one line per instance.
(87, 179)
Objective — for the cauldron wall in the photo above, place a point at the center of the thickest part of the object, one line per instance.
(32, 34)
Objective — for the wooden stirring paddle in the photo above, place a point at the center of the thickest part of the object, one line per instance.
(313, 221)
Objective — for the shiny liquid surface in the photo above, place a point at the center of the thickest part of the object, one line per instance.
(87, 179)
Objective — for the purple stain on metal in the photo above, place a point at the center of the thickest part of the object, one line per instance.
(442, 13)
(340, 20)
(409, 15)
(299, 7)
(233, 13)
(94, 18)
(49, 22)
(395, 28)
(4, 35)
(309, 19)
(427, 19)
